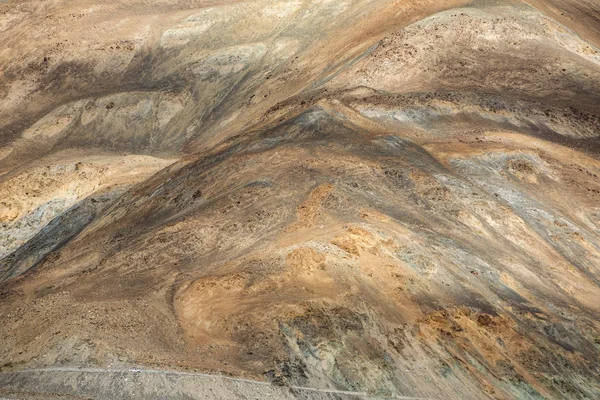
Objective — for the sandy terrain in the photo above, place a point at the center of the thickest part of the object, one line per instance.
(390, 197)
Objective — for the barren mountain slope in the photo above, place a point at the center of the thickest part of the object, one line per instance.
(391, 197)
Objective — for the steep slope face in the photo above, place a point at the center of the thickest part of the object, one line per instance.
(162, 81)
(516, 51)
(147, 79)
(400, 198)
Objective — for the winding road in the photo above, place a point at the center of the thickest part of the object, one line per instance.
(80, 382)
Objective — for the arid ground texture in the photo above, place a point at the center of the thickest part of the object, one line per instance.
(365, 198)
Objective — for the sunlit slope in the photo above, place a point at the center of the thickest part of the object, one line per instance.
(400, 198)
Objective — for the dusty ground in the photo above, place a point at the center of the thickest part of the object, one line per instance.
(390, 197)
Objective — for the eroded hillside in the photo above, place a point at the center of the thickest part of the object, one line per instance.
(393, 197)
